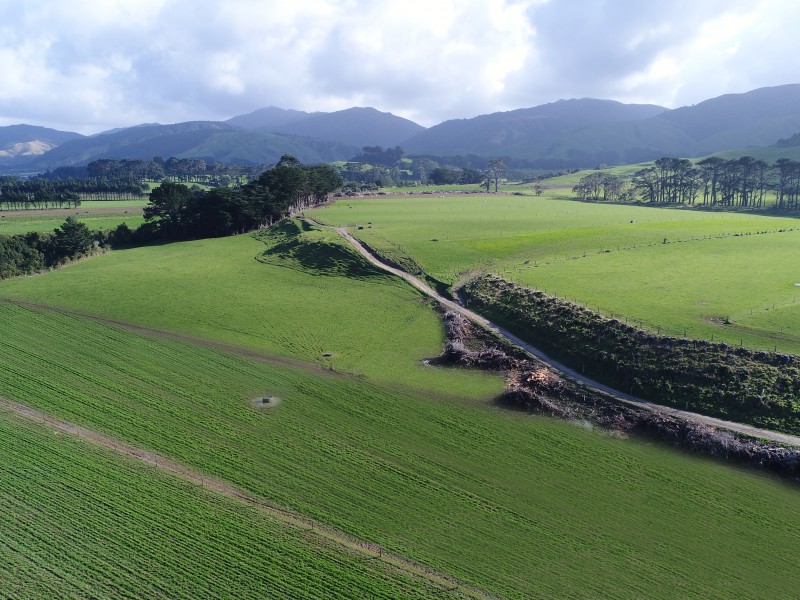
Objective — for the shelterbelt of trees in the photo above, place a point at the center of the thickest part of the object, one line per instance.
(176, 212)
(743, 182)
(179, 170)
(110, 179)
(40, 193)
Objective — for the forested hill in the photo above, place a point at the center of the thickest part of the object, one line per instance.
(565, 134)
(261, 137)
(209, 140)
(354, 126)
(30, 140)
(266, 118)
(626, 135)
(527, 132)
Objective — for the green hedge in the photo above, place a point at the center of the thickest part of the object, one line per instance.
(738, 384)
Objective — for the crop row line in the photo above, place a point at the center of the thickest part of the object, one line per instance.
(369, 550)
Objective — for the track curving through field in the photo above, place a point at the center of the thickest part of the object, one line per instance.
(558, 367)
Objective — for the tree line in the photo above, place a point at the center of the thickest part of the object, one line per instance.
(180, 170)
(742, 182)
(28, 253)
(42, 193)
(176, 212)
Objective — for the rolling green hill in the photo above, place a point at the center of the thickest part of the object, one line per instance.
(517, 505)
(678, 271)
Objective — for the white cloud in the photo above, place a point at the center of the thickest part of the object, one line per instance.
(91, 65)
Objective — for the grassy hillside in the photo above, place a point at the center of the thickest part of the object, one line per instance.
(286, 294)
(613, 257)
(517, 505)
(769, 154)
(80, 521)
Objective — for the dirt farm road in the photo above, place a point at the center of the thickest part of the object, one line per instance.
(561, 369)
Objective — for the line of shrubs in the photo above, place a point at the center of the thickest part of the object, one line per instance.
(537, 389)
(760, 388)
(533, 387)
(28, 253)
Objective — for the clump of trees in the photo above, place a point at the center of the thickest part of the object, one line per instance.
(377, 155)
(375, 167)
(33, 252)
(176, 212)
(743, 183)
(601, 186)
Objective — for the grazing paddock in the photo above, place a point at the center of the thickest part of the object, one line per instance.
(450, 484)
(672, 270)
(98, 216)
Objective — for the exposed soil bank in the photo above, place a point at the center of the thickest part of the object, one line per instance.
(533, 387)
(736, 384)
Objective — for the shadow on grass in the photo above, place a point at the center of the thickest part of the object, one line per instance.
(292, 245)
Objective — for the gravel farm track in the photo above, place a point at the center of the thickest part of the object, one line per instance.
(561, 369)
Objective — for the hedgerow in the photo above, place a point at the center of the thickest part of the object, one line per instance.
(760, 388)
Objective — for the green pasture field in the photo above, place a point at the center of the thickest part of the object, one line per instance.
(613, 257)
(740, 290)
(569, 181)
(98, 216)
(370, 324)
(78, 521)
(456, 187)
(100, 204)
(518, 505)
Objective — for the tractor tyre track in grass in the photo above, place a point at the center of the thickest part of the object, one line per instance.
(225, 348)
(152, 332)
(560, 368)
(444, 584)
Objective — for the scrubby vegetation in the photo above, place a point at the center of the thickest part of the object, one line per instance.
(534, 387)
(738, 384)
(33, 252)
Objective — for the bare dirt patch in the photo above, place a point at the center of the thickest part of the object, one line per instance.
(265, 402)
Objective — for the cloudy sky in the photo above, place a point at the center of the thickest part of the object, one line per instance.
(90, 65)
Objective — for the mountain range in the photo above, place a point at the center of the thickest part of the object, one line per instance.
(567, 133)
